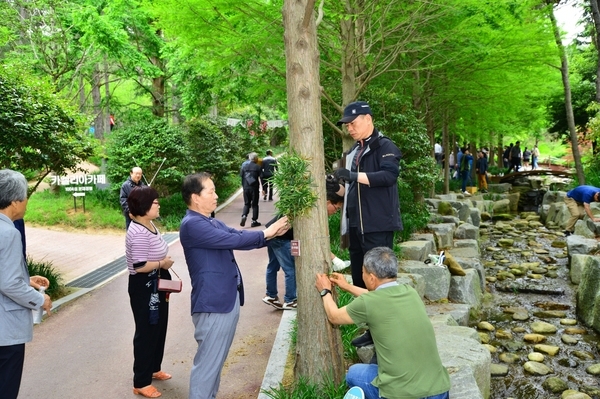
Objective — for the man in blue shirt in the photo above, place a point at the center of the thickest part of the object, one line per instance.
(578, 201)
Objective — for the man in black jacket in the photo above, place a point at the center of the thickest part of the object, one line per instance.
(250, 174)
(371, 210)
(269, 164)
(134, 180)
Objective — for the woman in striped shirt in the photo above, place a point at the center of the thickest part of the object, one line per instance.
(146, 253)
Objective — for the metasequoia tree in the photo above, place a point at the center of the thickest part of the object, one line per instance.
(318, 344)
(564, 71)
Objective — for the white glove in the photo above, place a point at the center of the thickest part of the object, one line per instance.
(338, 264)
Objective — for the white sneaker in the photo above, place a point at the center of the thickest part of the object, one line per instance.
(466, 193)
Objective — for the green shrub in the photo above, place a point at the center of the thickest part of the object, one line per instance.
(45, 269)
(415, 215)
(304, 389)
(149, 143)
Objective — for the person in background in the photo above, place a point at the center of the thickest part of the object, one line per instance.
(481, 167)
(438, 152)
(506, 155)
(451, 163)
(465, 169)
(280, 257)
(217, 285)
(535, 154)
(18, 291)
(250, 174)
(408, 362)
(269, 165)
(578, 202)
(526, 158)
(146, 254)
(515, 158)
(459, 156)
(134, 180)
(371, 212)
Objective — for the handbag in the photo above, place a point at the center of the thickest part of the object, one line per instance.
(169, 285)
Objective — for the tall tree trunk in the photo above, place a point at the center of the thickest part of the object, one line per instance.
(446, 148)
(318, 347)
(158, 89)
(564, 71)
(106, 98)
(348, 36)
(82, 101)
(595, 5)
(97, 101)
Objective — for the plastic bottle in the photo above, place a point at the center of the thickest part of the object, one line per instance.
(37, 314)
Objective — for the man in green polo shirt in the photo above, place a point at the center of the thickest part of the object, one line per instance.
(409, 365)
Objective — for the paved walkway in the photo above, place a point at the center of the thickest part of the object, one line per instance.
(85, 348)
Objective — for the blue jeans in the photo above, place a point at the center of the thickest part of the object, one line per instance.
(280, 256)
(361, 375)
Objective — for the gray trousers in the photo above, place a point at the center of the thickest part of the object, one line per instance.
(214, 333)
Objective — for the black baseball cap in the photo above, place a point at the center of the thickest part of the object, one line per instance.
(354, 109)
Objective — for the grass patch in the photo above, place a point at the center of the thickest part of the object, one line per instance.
(48, 208)
(304, 389)
(45, 269)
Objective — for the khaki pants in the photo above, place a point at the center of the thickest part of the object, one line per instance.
(482, 182)
(577, 212)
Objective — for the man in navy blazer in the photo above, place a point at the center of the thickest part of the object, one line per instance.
(217, 288)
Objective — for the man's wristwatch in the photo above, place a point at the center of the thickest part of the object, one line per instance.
(325, 292)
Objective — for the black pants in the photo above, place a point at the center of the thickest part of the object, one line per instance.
(251, 197)
(267, 187)
(12, 358)
(149, 339)
(360, 244)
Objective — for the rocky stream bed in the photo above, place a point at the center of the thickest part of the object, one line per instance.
(528, 318)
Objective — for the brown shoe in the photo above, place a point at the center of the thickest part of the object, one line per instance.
(147, 392)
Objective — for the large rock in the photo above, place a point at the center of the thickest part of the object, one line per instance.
(501, 206)
(588, 298)
(513, 199)
(437, 279)
(476, 216)
(578, 265)
(499, 188)
(473, 263)
(553, 196)
(414, 280)
(466, 248)
(582, 245)
(426, 237)
(464, 211)
(466, 289)
(468, 363)
(459, 312)
(444, 233)
(562, 215)
(582, 228)
(467, 231)
(416, 250)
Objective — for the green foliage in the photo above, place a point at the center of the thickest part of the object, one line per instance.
(38, 132)
(295, 186)
(149, 143)
(209, 149)
(46, 269)
(415, 215)
(417, 167)
(304, 389)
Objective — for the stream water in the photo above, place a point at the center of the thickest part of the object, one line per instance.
(528, 281)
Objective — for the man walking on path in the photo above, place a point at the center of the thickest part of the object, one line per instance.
(481, 167)
(269, 165)
(250, 174)
(578, 202)
(134, 180)
(371, 210)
